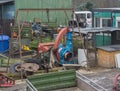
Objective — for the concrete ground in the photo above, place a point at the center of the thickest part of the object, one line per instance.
(102, 76)
(22, 87)
(69, 89)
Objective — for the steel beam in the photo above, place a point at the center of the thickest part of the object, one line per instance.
(45, 9)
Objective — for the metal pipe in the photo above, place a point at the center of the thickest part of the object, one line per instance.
(19, 40)
(58, 38)
(31, 86)
(95, 46)
(45, 9)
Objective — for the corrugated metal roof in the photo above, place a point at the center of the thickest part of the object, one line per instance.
(116, 9)
(5, 1)
(110, 48)
(95, 30)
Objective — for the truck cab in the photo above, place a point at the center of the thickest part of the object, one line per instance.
(84, 18)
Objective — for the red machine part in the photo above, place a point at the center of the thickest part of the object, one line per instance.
(116, 83)
(6, 81)
(44, 47)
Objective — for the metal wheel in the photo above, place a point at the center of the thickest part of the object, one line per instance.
(116, 83)
(12, 67)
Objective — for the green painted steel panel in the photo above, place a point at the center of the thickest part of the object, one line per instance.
(57, 17)
(102, 40)
(52, 74)
(51, 87)
(53, 80)
(116, 14)
(102, 14)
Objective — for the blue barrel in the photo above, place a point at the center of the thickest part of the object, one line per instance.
(4, 43)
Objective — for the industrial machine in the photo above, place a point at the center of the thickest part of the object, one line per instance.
(5, 81)
(61, 53)
(38, 29)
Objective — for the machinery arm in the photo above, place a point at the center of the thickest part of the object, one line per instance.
(59, 36)
(43, 47)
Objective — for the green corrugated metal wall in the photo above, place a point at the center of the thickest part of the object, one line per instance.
(54, 16)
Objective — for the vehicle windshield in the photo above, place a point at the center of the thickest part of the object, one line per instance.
(81, 17)
(89, 15)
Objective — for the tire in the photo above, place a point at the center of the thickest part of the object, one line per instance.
(12, 67)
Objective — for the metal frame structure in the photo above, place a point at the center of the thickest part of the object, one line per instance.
(20, 26)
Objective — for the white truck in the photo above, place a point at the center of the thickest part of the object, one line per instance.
(84, 19)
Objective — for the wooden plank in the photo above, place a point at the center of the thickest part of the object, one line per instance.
(106, 58)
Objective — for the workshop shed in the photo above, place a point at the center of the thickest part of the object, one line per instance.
(55, 16)
(106, 17)
(102, 44)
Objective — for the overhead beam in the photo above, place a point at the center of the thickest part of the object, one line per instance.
(45, 9)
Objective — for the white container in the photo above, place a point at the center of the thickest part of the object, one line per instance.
(117, 60)
(82, 59)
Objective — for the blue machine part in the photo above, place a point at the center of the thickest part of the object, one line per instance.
(66, 51)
